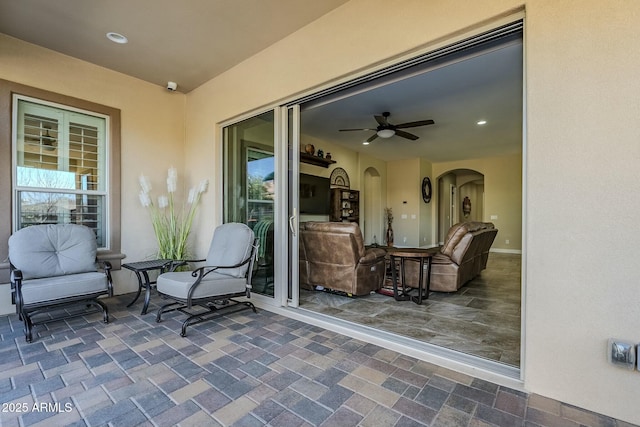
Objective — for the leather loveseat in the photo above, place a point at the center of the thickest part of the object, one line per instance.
(462, 257)
(332, 255)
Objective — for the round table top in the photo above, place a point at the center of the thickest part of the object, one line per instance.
(411, 252)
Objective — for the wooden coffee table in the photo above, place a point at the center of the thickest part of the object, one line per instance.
(402, 256)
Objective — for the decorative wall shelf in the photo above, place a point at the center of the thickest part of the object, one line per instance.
(315, 160)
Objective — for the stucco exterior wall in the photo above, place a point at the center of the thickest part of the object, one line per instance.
(152, 130)
(581, 92)
(581, 127)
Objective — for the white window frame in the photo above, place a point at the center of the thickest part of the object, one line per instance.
(104, 163)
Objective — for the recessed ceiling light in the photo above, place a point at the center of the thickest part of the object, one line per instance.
(365, 143)
(481, 122)
(117, 38)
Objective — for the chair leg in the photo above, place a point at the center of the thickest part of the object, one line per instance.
(101, 306)
(163, 309)
(28, 327)
(215, 312)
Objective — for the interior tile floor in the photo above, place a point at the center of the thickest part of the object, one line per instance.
(244, 369)
(482, 318)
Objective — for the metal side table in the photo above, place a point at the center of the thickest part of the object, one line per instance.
(142, 270)
(402, 255)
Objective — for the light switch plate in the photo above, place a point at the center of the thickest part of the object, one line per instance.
(621, 353)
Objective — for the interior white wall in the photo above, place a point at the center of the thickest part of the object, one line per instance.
(581, 149)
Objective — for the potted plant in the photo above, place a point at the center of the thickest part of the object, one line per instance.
(171, 223)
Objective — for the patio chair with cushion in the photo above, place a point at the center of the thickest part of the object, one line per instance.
(213, 287)
(53, 267)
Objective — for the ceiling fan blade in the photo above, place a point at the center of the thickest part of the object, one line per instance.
(382, 120)
(349, 130)
(414, 124)
(406, 135)
(372, 137)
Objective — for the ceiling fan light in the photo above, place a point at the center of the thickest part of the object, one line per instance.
(386, 133)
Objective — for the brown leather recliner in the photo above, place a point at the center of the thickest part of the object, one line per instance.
(463, 256)
(335, 258)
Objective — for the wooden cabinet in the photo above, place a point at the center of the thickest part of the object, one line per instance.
(345, 205)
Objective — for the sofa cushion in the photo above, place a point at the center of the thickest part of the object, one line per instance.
(53, 250)
(456, 232)
(177, 285)
(55, 288)
(350, 230)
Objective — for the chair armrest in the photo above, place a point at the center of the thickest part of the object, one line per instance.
(174, 264)
(210, 268)
(16, 275)
(16, 288)
(200, 273)
(107, 267)
(439, 258)
(372, 255)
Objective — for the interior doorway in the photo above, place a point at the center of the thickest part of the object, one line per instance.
(461, 199)
(373, 204)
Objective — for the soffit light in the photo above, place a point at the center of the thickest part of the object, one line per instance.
(117, 38)
(386, 133)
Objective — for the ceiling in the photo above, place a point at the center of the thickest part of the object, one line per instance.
(191, 45)
(482, 84)
(187, 42)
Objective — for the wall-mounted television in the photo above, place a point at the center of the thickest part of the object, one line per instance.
(314, 194)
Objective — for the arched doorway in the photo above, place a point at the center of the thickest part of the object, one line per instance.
(459, 189)
(372, 226)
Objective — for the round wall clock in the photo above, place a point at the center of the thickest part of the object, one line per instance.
(426, 189)
(339, 179)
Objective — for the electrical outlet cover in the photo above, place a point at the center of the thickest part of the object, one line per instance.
(621, 353)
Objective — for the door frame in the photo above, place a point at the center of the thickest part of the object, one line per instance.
(491, 371)
(286, 139)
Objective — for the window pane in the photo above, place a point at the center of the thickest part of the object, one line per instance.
(36, 207)
(84, 155)
(59, 167)
(44, 178)
(40, 149)
(57, 139)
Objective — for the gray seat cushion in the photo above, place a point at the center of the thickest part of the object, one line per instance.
(177, 285)
(53, 250)
(54, 288)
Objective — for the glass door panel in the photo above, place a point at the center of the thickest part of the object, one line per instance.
(250, 190)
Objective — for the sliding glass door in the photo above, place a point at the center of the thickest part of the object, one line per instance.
(260, 169)
(250, 192)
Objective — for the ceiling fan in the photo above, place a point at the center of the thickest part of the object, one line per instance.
(387, 130)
